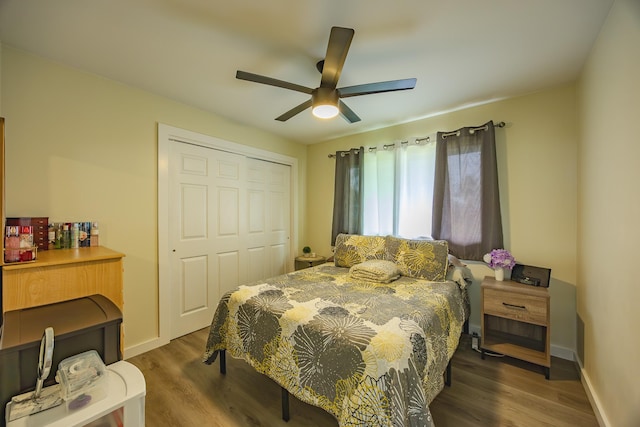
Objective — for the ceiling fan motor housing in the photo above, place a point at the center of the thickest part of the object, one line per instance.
(324, 96)
(324, 102)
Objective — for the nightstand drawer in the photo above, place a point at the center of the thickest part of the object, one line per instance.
(521, 307)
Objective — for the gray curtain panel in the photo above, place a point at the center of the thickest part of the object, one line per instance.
(348, 194)
(466, 203)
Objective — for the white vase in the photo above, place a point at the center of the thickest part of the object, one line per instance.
(499, 273)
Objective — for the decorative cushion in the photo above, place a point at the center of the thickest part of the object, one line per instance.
(352, 249)
(420, 259)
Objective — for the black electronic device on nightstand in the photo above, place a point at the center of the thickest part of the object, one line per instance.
(530, 275)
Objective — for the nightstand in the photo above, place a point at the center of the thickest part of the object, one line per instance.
(309, 261)
(515, 321)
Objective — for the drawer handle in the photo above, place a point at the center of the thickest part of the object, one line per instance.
(519, 307)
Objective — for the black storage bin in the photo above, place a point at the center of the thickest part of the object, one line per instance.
(79, 325)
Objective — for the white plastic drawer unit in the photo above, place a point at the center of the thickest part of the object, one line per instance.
(123, 405)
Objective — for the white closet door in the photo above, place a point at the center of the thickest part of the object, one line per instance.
(269, 210)
(190, 186)
(229, 246)
(229, 225)
(279, 220)
(205, 193)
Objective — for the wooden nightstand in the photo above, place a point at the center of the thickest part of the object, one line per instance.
(516, 321)
(309, 261)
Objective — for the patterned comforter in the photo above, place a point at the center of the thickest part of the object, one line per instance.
(371, 354)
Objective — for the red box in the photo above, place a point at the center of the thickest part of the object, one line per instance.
(18, 244)
(40, 229)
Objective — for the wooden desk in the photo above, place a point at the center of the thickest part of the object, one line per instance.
(63, 274)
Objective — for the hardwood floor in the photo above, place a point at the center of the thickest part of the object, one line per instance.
(183, 391)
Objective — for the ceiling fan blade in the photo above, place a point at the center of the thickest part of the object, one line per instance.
(347, 113)
(379, 87)
(300, 108)
(337, 49)
(243, 75)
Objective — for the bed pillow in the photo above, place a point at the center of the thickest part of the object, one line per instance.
(420, 259)
(454, 261)
(375, 271)
(352, 249)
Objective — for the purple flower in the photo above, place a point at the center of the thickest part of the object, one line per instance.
(500, 258)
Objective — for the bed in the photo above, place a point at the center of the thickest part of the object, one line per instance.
(368, 352)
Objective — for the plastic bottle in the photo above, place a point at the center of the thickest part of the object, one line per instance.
(95, 234)
(58, 230)
(51, 236)
(66, 237)
(75, 235)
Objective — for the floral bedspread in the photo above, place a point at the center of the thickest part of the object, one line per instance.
(370, 354)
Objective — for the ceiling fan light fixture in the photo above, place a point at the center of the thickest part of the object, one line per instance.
(326, 111)
(324, 103)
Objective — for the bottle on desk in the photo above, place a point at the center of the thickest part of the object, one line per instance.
(65, 241)
(57, 227)
(75, 235)
(95, 234)
(51, 236)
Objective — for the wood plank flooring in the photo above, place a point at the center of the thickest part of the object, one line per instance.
(183, 391)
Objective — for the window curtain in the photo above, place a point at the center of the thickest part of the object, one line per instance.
(348, 193)
(466, 202)
(398, 190)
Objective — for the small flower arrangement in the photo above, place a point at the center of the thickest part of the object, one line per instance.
(499, 258)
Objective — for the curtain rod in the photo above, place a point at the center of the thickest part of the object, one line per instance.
(473, 130)
(427, 139)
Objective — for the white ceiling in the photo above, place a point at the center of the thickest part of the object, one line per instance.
(462, 52)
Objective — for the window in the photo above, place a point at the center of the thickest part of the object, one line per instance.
(447, 190)
(398, 190)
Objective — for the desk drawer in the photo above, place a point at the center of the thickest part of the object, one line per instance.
(521, 307)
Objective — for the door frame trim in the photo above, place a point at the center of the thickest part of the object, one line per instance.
(167, 134)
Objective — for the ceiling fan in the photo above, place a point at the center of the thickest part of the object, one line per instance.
(326, 99)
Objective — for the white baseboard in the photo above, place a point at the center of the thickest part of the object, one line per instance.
(556, 350)
(144, 347)
(563, 353)
(603, 421)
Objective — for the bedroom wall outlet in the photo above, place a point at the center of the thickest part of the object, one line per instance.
(475, 338)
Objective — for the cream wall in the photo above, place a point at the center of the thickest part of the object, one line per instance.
(608, 215)
(537, 173)
(81, 147)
